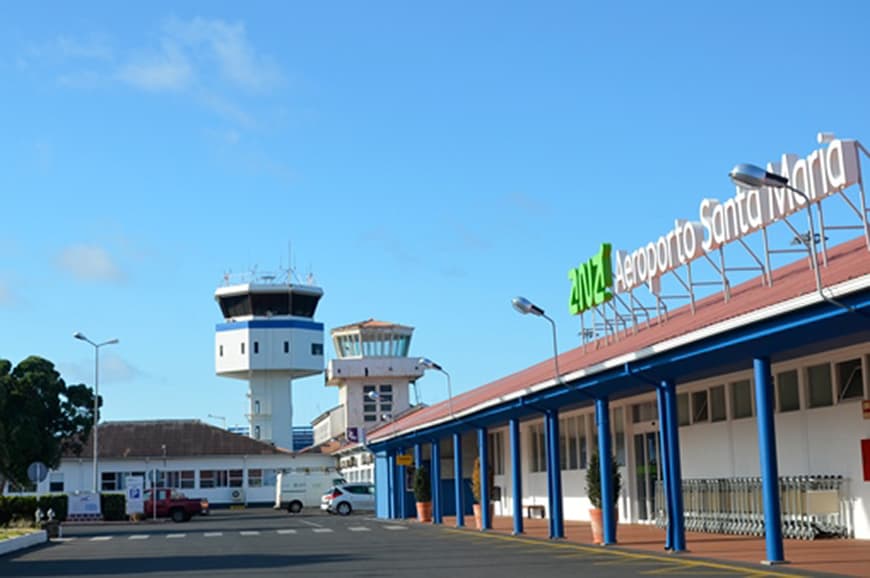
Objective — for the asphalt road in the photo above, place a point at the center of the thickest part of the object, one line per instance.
(262, 543)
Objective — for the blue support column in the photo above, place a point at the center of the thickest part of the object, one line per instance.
(665, 467)
(437, 516)
(554, 471)
(605, 457)
(457, 478)
(391, 484)
(483, 453)
(516, 474)
(769, 467)
(418, 455)
(675, 476)
(549, 467)
(400, 489)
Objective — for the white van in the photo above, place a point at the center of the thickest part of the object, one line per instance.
(300, 489)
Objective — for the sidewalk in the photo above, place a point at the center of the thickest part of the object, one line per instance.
(845, 557)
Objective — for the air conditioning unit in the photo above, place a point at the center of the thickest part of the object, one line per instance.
(237, 495)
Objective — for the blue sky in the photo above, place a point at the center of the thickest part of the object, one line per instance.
(426, 162)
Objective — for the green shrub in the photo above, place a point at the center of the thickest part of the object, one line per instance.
(593, 480)
(113, 506)
(15, 510)
(422, 485)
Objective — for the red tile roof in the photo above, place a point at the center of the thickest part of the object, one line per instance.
(139, 439)
(847, 261)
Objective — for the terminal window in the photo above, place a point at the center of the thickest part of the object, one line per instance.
(699, 406)
(819, 385)
(787, 391)
(718, 411)
(850, 381)
(741, 398)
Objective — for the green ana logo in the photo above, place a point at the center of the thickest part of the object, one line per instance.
(590, 282)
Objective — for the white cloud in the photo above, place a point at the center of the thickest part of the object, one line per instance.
(113, 369)
(6, 296)
(90, 49)
(227, 44)
(169, 69)
(89, 263)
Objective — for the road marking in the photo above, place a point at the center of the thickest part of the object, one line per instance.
(63, 540)
(173, 536)
(101, 538)
(213, 534)
(140, 536)
(395, 527)
(312, 524)
(250, 533)
(702, 565)
(286, 531)
(322, 530)
(359, 529)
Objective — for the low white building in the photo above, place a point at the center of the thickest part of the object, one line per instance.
(199, 459)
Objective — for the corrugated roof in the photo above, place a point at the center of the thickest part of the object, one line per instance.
(182, 438)
(849, 260)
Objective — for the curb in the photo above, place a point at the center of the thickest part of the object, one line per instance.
(22, 542)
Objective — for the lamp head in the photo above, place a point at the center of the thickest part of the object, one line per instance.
(112, 341)
(80, 335)
(428, 363)
(525, 306)
(753, 177)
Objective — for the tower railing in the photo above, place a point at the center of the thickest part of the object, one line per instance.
(814, 506)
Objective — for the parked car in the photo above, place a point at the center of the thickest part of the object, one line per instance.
(173, 504)
(346, 498)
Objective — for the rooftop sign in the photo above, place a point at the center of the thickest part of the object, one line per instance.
(824, 172)
(591, 282)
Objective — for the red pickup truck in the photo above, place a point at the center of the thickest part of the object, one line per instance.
(173, 504)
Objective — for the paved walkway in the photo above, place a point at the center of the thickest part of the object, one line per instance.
(845, 557)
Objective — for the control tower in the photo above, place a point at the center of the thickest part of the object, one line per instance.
(268, 338)
(372, 371)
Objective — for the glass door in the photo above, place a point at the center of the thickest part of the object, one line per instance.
(647, 473)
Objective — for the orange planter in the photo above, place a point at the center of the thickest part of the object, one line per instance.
(597, 522)
(424, 511)
(478, 515)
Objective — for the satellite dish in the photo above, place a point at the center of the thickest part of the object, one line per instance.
(36, 472)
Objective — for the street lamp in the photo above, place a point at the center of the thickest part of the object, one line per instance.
(97, 346)
(429, 364)
(220, 417)
(754, 177)
(525, 307)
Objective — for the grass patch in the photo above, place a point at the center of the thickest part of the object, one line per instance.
(7, 533)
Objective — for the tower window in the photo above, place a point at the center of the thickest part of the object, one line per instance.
(221, 350)
(286, 347)
(316, 349)
(256, 432)
(257, 407)
(256, 347)
(243, 347)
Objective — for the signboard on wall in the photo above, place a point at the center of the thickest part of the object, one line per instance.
(84, 503)
(135, 486)
(865, 407)
(404, 460)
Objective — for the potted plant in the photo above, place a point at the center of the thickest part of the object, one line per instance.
(423, 494)
(593, 491)
(475, 491)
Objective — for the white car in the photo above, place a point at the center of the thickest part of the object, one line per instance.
(347, 498)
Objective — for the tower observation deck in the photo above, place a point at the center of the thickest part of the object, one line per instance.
(268, 338)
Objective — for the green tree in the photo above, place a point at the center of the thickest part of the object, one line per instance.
(41, 417)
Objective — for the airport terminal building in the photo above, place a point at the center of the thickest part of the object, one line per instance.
(744, 410)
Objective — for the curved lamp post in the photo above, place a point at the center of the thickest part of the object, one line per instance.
(429, 364)
(753, 177)
(97, 346)
(525, 307)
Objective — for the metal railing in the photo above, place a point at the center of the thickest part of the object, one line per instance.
(812, 506)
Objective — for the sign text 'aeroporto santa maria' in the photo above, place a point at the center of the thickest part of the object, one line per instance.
(822, 173)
